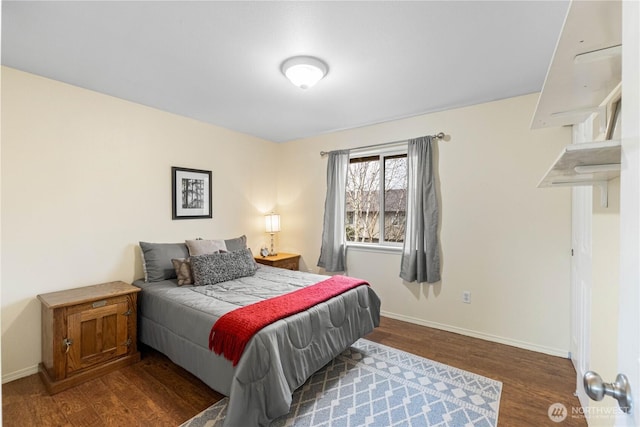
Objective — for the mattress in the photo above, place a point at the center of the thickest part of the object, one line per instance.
(177, 320)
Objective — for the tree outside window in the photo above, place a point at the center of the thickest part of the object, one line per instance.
(372, 182)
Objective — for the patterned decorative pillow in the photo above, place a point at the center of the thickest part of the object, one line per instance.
(183, 271)
(209, 269)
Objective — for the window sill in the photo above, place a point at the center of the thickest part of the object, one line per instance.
(374, 248)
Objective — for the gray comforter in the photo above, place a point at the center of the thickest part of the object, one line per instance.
(177, 321)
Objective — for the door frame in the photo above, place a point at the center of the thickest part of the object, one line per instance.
(629, 287)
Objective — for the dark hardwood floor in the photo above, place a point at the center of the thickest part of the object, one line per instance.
(155, 392)
(531, 381)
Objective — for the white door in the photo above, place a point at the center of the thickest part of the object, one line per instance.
(629, 313)
(581, 277)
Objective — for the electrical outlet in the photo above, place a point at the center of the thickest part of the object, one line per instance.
(466, 297)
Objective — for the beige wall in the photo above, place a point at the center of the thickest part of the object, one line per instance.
(86, 176)
(502, 238)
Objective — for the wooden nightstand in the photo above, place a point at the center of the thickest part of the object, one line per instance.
(282, 260)
(87, 332)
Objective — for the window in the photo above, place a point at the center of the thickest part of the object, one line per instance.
(374, 181)
(365, 203)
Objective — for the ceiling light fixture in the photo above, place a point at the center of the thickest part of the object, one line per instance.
(304, 71)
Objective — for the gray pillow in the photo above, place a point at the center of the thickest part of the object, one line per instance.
(156, 259)
(201, 247)
(209, 269)
(236, 244)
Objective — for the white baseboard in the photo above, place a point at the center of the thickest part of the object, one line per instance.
(475, 334)
(25, 372)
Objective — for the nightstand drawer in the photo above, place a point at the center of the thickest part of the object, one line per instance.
(282, 260)
(290, 264)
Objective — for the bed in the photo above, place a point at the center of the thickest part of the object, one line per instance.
(177, 320)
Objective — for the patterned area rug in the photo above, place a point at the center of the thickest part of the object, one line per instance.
(374, 385)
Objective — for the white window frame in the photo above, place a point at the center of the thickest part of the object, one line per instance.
(382, 152)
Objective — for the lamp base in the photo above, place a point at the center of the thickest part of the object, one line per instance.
(272, 252)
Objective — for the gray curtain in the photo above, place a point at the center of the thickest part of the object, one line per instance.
(332, 252)
(421, 252)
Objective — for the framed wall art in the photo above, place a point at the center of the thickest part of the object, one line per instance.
(191, 195)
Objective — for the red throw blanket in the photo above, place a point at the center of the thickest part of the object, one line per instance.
(231, 333)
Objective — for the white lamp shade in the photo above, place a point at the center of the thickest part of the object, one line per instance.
(304, 71)
(272, 223)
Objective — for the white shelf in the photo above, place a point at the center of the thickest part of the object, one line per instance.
(593, 163)
(576, 84)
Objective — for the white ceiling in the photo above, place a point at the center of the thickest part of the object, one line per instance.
(219, 62)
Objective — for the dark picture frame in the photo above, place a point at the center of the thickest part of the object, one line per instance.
(191, 193)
